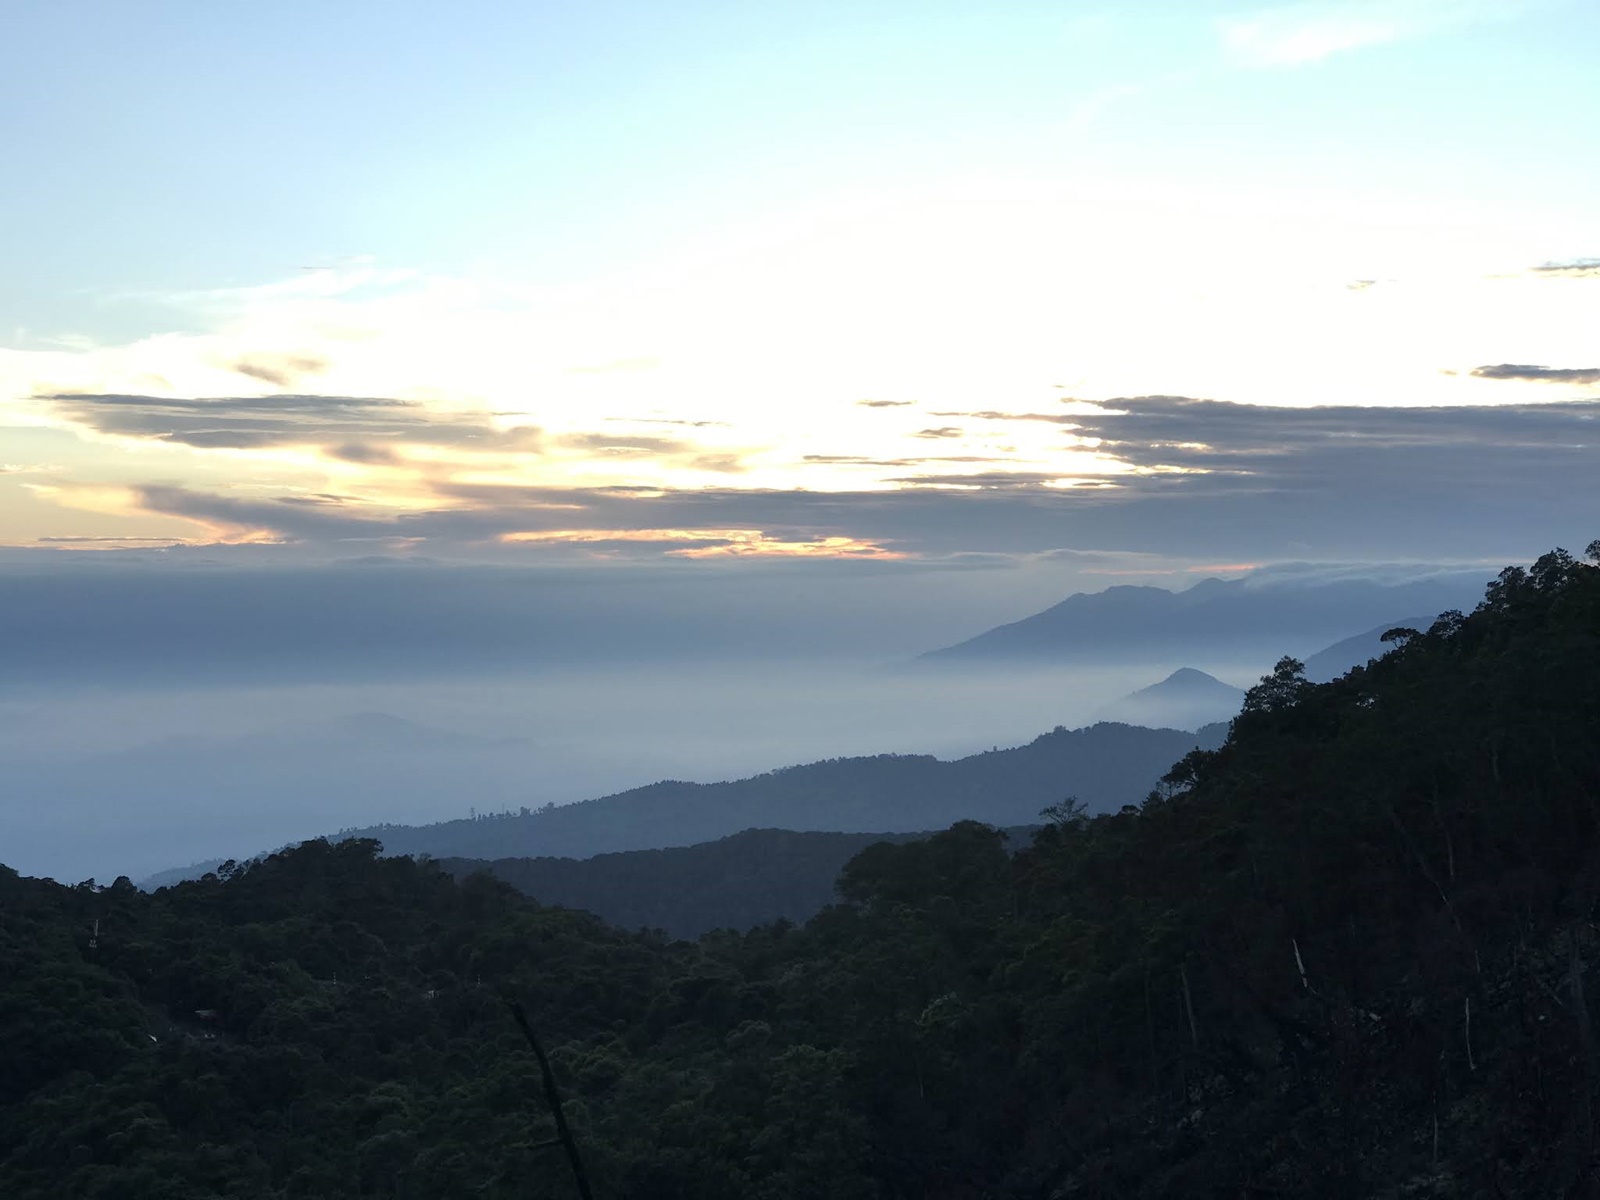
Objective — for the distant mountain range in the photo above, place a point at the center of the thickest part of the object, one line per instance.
(1105, 766)
(1190, 698)
(1209, 622)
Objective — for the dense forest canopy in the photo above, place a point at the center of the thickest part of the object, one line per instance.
(1348, 953)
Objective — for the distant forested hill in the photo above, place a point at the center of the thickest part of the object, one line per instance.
(752, 878)
(1105, 766)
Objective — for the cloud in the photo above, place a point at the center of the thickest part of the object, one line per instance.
(255, 422)
(912, 461)
(678, 453)
(1175, 476)
(634, 445)
(1539, 374)
(859, 460)
(983, 479)
(280, 370)
(108, 539)
(1290, 447)
(670, 421)
(364, 453)
(721, 464)
(1574, 268)
(943, 431)
(885, 403)
(989, 414)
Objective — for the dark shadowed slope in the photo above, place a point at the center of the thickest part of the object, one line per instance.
(749, 879)
(1205, 623)
(1105, 766)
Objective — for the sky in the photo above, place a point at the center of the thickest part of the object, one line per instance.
(373, 346)
(548, 283)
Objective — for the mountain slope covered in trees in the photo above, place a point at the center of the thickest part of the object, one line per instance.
(1105, 765)
(1350, 953)
(752, 878)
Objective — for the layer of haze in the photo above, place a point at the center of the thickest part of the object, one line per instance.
(154, 720)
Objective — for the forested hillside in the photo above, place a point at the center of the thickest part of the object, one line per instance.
(1105, 765)
(1351, 953)
(751, 878)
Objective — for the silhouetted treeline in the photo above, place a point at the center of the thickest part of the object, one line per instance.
(1351, 953)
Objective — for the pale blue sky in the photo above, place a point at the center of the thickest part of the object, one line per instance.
(157, 146)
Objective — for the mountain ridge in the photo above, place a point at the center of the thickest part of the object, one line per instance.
(1143, 623)
(1105, 765)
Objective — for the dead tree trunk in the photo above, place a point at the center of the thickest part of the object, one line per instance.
(554, 1097)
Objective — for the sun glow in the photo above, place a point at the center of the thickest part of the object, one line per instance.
(704, 543)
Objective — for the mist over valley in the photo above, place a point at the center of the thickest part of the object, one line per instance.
(219, 762)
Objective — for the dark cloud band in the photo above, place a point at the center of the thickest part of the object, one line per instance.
(1539, 374)
(254, 422)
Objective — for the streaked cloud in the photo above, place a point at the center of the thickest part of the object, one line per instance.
(625, 444)
(280, 370)
(1575, 268)
(255, 422)
(989, 414)
(982, 479)
(1538, 374)
(1224, 481)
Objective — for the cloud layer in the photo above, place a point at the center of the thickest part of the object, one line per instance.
(256, 422)
(1539, 374)
(1177, 476)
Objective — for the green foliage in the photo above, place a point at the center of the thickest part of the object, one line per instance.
(1349, 953)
